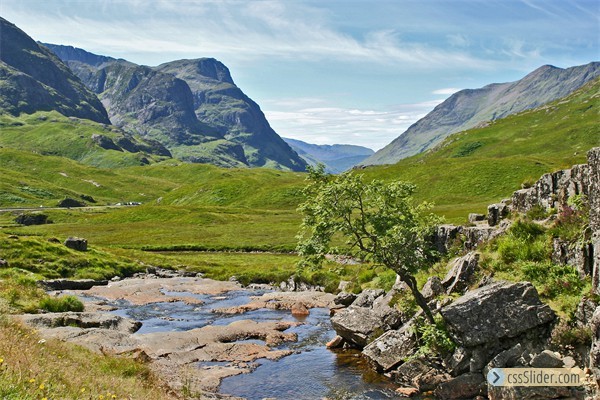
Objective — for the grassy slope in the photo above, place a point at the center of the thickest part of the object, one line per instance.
(461, 177)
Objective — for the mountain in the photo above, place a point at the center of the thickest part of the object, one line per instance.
(472, 107)
(193, 107)
(33, 79)
(337, 158)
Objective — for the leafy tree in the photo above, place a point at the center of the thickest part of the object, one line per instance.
(378, 220)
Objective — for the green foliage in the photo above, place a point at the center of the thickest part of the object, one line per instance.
(553, 279)
(378, 222)
(61, 304)
(573, 221)
(538, 213)
(434, 339)
(523, 242)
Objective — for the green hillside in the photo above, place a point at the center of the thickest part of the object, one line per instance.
(478, 167)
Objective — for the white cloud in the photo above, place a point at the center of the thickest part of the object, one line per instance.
(446, 91)
(373, 128)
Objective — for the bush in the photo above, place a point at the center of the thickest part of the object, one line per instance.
(554, 280)
(61, 304)
(434, 339)
(524, 242)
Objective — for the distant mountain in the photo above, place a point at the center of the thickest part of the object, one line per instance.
(33, 79)
(337, 158)
(191, 106)
(469, 108)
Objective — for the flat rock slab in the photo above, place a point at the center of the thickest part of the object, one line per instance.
(494, 312)
(282, 301)
(140, 291)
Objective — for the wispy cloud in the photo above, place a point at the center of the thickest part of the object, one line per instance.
(445, 91)
(323, 124)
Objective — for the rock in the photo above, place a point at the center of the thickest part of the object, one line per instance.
(407, 391)
(473, 217)
(32, 219)
(344, 286)
(459, 362)
(547, 359)
(432, 288)
(510, 358)
(461, 273)
(69, 202)
(85, 320)
(53, 240)
(105, 142)
(496, 212)
(392, 348)
(473, 236)
(76, 243)
(71, 284)
(367, 297)
(595, 348)
(573, 254)
(3, 263)
(465, 386)
(361, 325)
(494, 312)
(594, 204)
(410, 371)
(529, 393)
(344, 299)
(445, 236)
(336, 342)
(584, 313)
(299, 309)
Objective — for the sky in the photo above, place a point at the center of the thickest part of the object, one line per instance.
(332, 71)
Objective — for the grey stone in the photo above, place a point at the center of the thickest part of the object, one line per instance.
(367, 297)
(531, 393)
(459, 362)
(3, 263)
(32, 219)
(547, 359)
(464, 386)
(71, 284)
(496, 212)
(408, 373)
(432, 288)
(584, 313)
(461, 273)
(594, 203)
(495, 312)
(392, 348)
(508, 358)
(573, 254)
(76, 243)
(476, 235)
(595, 349)
(445, 236)
(344, 299)
(82, 320)
(474, 217)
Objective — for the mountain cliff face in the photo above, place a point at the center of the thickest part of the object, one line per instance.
(337, 158)
(33, 79)
(469, 108)
(192, 106)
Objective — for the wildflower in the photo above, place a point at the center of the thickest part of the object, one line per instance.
(41, 341)
(101, 397)
(1, 360)
(42, 386)
(32, 380)
(82, 390)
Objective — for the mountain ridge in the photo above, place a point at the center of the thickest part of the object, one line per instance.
(337, 158)
(209, 118)
(469, 108)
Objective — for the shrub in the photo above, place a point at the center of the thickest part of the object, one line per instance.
(524, 242)
(554, 279)
(61, 304)
(434, 339)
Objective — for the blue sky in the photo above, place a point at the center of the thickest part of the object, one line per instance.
(332, 71)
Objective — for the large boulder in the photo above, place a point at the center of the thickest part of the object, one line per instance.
(85, 320)
(392, 348)
(461, 273)
(32, 219)
(498, 311)
(465, 386)
(432, 288)
(76, 243)
(369, 316)
(71, 284)
(496, 212)
(574, 254)
(69, 202)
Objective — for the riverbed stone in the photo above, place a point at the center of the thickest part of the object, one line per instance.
(299, 309)
(344, 299)
(392, 348)
(83, 320)
(465, 386)
(494, 312)
(71, 284)
(359, 325)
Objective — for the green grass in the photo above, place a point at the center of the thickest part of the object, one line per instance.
(473, 169)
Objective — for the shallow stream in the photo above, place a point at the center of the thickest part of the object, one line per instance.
(311, 372)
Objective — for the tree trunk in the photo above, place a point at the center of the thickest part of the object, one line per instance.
(412, 284)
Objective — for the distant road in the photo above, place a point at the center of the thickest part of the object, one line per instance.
(12, 209)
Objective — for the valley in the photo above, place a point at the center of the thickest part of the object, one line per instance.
(191, 209)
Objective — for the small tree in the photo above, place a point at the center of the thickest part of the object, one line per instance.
(378, 221)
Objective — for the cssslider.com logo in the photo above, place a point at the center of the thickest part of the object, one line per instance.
(536, 377)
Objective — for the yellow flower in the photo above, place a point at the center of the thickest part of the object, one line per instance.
(1, 360)
(44, 398)
(101, 397)
(114, 396)
(42, 386)
(82, 390)
(32, 380)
